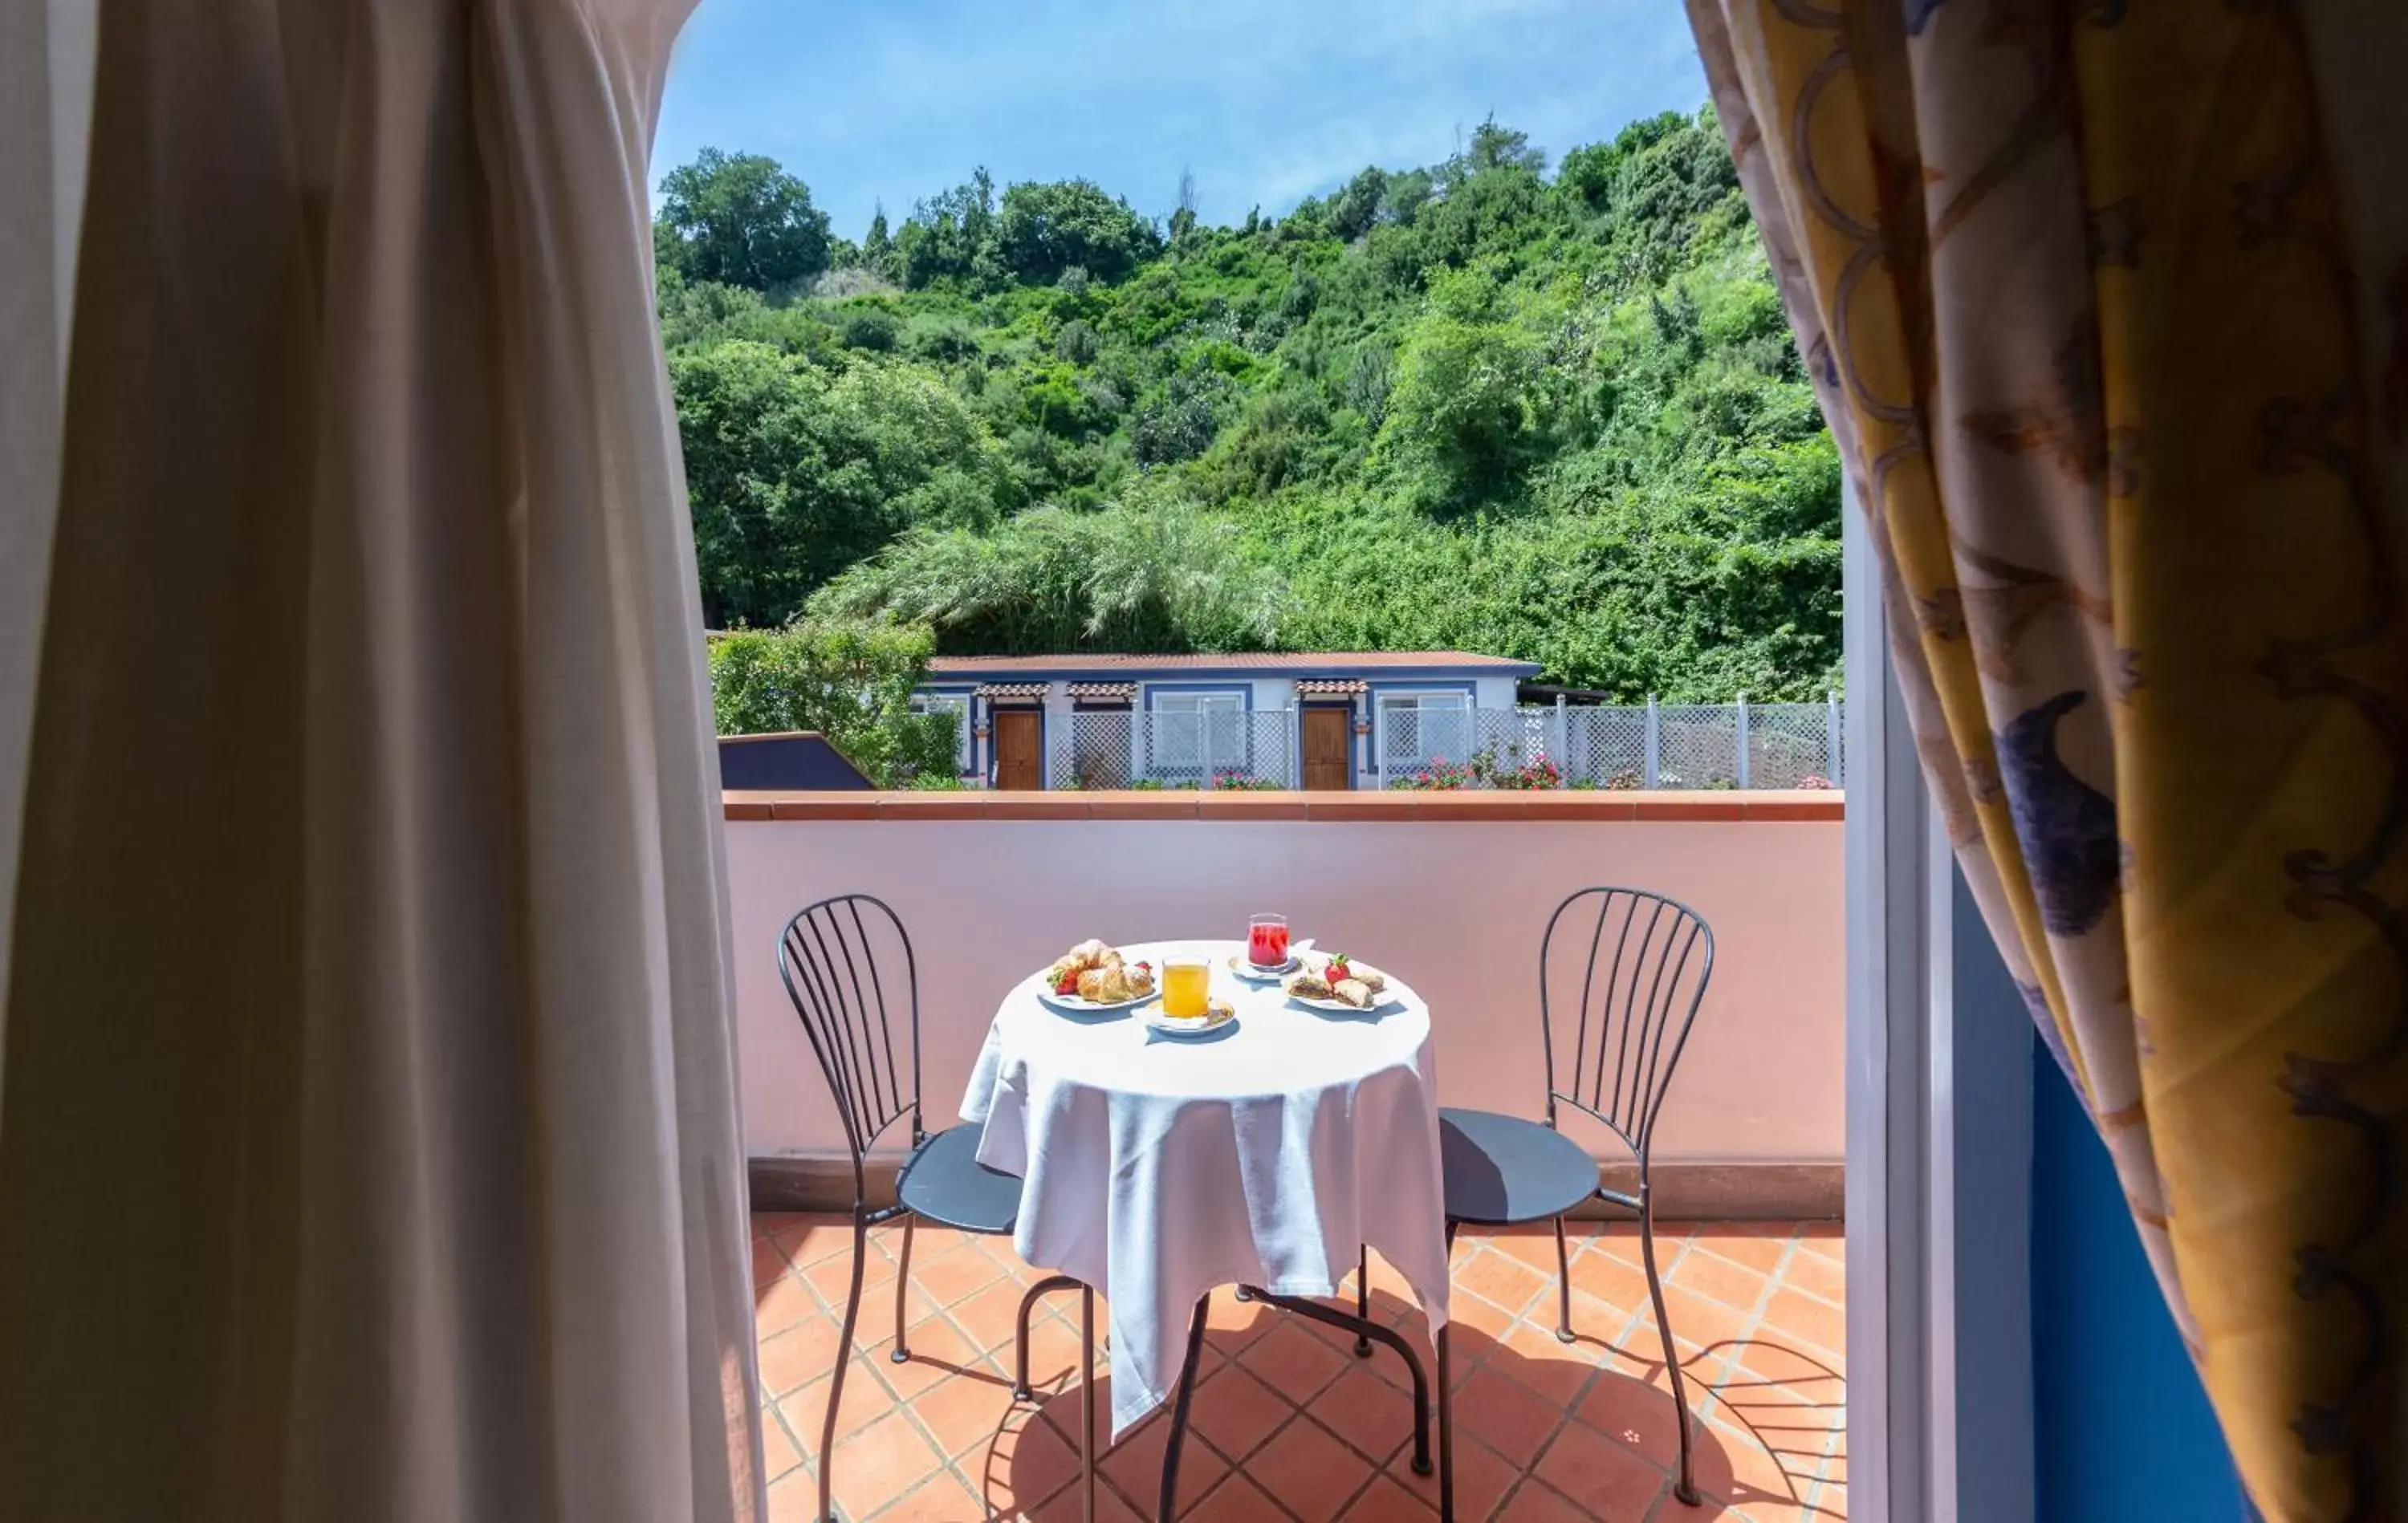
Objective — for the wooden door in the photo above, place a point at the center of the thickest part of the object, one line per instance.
(1016, 748)
(1329, 747)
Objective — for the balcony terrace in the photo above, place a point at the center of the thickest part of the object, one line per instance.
(1449, 890)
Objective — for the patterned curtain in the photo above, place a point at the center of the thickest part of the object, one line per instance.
(2074, 282)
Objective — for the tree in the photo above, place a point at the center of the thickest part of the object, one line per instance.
(1045, 229)
(741, 219)
(1149, 571)
(1182, 217)
(878, 245)
(851, 681)
(793, 475)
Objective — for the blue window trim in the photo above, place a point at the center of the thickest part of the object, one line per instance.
(1148, 691)
(1469, 689)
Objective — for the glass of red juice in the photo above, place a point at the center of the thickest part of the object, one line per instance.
(1267, 941)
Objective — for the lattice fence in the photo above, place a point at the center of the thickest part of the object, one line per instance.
(1140, 748)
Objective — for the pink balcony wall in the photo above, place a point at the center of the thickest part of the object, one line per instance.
(1454, 905)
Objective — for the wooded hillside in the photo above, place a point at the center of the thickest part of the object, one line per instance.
(1548, 412)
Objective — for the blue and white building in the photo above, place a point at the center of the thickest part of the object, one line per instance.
(1321, 720)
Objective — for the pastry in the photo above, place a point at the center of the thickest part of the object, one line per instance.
(1307, 985)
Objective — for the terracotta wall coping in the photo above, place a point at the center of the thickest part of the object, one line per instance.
(992, 803)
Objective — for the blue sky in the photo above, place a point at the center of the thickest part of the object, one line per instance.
(1266, 101)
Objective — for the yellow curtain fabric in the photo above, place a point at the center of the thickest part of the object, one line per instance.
(2074, 285)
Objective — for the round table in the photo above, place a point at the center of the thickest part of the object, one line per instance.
(1268, 1154)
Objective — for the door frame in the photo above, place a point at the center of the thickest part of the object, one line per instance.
(995, 718)
(1918, 1269)
(1345, 709)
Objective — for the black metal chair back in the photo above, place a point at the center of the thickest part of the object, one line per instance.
(848, 965)
(1640, 978)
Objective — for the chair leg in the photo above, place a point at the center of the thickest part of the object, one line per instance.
(1563, 1285)
(1021, 1390)
(1363, 1296)
(1445, 1425)
(1686, 1486)
(902, 1354)
(843, 1359)
(1087, 1404)
(1169, 1500)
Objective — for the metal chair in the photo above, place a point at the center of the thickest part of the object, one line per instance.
(1502, 1171)
(839, 965)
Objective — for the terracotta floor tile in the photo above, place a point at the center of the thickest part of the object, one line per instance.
(1053, 1353)
(802, 1353)
(1503, 1279)
(1791, 1315)
(817, 1237)
(1700, 1323)
(1532, 1503)
(1232, 1324)
(768, 1264)
(947, 1277)
(1555, 1370)
(1238, 1499)
(1611, 1279)
(806, 1410)
(1770, 1432)
(1028, 1462)
(1236, 1411)
(1312, 1473)
(1534, 1246)
(1817, 1276)
(1711, 1276)
(1504, 1412)
(937, 1349)
(1599, 1475)
(963, 1413)
(794, 1499)
(1751, 1250)
(1634, 1414)
(831, 1278)
(1063, 1506)
(1293, 1362)
(1134, 1465)
(1480, 1314)
(1386, 1501)
(1481, 1476)
(1368, 1412)
(1772, 1356)
(778, 1452)
(991, 1318)
(879, 1463)
(780, 1304)
(942, 1498)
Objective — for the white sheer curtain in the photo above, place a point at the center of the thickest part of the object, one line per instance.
(369, 1146)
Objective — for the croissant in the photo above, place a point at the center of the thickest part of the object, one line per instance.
(1092, 953)
(1106, 985)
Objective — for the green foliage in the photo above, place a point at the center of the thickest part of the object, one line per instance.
(739, 219)
(1466, 404)
(852, 682)
(1151, 572)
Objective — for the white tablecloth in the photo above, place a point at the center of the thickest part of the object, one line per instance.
(1154, 1169)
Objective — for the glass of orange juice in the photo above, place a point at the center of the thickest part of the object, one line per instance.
(1185, 981)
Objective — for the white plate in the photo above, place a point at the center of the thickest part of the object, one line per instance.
(1078, 1005)
(1253, 974)
(1340, 1007)
(1156, 1022)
